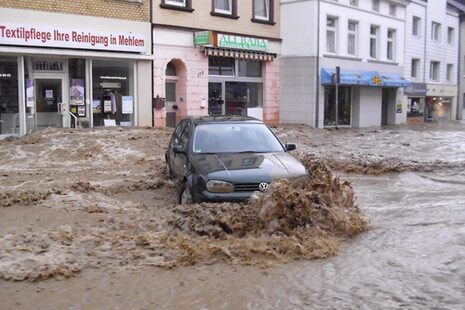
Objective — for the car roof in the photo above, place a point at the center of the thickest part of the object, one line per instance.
(224, 119)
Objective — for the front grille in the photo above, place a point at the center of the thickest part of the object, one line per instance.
(246, 187)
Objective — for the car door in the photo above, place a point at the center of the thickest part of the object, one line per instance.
(180, 159)
(175, 140)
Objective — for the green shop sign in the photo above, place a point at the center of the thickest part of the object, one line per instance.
(203, 38)
(245, 43)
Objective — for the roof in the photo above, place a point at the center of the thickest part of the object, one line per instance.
(223, 118)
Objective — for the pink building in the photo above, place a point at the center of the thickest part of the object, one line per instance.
(216, 57)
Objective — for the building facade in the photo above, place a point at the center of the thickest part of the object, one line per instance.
(365, 39)
(216, 57)
(78, 63)
(460, 5)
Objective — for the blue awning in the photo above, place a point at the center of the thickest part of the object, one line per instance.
(394, 80)
(363, 78)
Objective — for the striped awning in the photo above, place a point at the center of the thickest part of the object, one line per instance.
(239, 54)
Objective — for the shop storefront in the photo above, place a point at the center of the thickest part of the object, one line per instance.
(440, 103)
(218, 75)
(415, 94)
(67, 75)
(365, 98)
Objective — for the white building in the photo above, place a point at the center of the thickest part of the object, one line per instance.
(431, 60)
(365, 38)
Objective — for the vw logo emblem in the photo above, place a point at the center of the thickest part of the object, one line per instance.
(263, 187)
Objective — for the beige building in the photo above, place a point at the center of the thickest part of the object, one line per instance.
(216, 57)
(74, 64)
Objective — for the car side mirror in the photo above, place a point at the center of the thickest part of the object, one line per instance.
(177, 149)
(290, 146)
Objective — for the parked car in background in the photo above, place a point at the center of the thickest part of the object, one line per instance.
(227, 158)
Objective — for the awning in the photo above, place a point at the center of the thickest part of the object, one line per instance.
(239, 54)
(394, 80)
(363, 78)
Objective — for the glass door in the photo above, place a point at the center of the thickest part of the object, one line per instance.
(51, 111)
(215, 99)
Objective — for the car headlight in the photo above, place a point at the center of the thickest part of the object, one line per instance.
(215, 186)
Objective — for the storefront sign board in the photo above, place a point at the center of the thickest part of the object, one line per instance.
(244, 43)
(76, 38)
(203, 38)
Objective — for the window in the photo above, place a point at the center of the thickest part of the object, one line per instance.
(416, 26)
(450, 35)
(352, 38)
(391, 43)
(331, 24)
(180, 5)
(9, 107)
(415, 66)
(435, 31)
(354, 2)
(434, 71)
(223, 6)
(392, 9)
(249, 68)
(374, 30)
(375, 5)
(176, 2)
(450, 68)
(221, 66)
(261, 9)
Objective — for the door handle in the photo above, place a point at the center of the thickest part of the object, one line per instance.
(60, 107)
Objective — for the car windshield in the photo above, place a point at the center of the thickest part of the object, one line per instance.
(235, 138)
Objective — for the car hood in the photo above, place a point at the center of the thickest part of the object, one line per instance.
(249, 168)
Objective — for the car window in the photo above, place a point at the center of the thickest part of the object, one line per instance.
(185, 135)
(235, 137)
(178, 131)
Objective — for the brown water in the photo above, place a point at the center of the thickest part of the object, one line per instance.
(412, 257)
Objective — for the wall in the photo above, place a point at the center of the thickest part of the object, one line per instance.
(298, 89)
(118, 9)
(200, 18)
(144, 94)
(415, 45)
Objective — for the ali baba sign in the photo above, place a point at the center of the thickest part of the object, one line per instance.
(209, 38)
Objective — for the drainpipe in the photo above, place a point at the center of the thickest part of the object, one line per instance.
(317, 75)
(151, 67)
(459, 68)
(424, 58)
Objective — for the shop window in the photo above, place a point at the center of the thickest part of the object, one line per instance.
(263, 11)
(240, 96)
(221, 66)
(224, 8)
(249, 68)
(9, 108)
(344, 106)
(113, 93)
(77, 82)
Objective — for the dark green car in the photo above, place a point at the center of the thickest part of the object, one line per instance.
(227, 158)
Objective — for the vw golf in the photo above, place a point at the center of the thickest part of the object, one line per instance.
(227, 158)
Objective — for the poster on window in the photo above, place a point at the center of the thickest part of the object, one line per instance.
(106, 106)
(127, 104)
(81, 110)
(29, 93)
(77, 92)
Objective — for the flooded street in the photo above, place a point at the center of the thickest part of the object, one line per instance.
(409, 183)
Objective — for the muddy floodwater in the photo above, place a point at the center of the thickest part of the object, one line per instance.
(409, 183)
